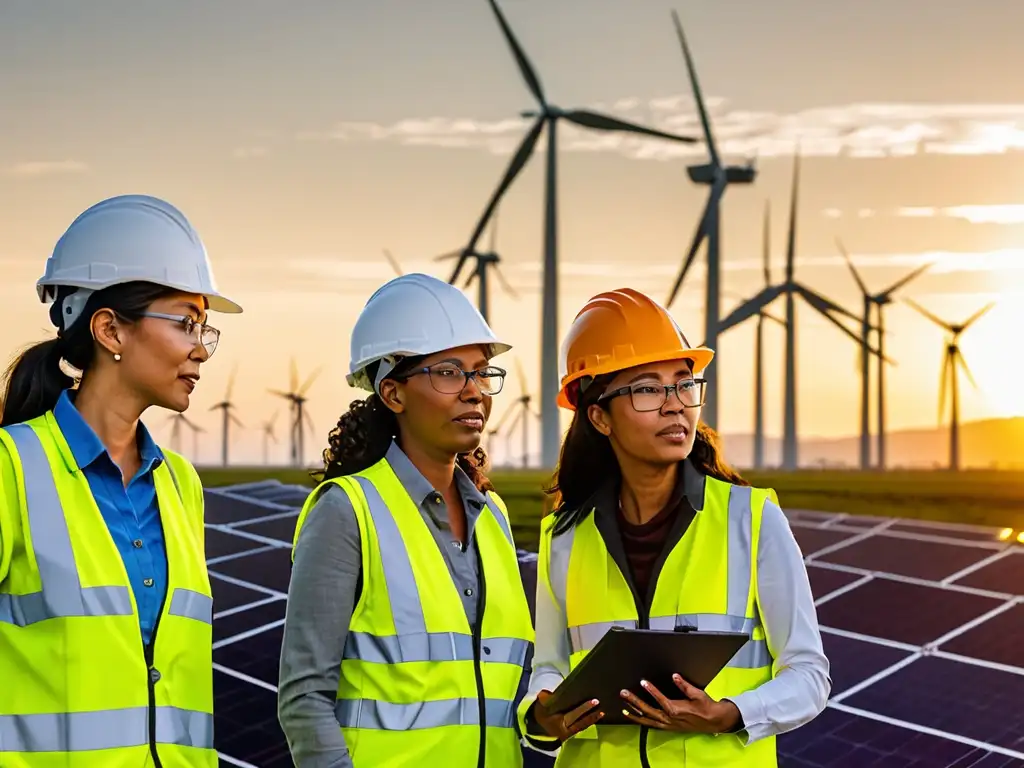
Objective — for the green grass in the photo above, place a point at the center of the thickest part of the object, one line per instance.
(980, 497)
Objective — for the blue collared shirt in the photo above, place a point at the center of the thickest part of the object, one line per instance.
(131, 513)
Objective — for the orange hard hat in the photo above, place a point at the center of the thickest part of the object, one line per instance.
(618, 330)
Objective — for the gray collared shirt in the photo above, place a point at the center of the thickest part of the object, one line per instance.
(325, 583)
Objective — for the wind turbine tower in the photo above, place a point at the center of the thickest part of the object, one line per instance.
(226, 407)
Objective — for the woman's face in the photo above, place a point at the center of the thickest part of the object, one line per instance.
(646, 422)
(159, 359)
(436, 404)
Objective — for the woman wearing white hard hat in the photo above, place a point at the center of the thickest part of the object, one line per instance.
(407, 626)
(101, 530)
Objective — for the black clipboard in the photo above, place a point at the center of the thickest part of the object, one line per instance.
(624, 657)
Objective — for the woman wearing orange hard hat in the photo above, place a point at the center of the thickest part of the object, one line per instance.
(653, 530)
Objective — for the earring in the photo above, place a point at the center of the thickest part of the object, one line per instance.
(117, 357)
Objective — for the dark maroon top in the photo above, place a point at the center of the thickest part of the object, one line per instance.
(644, 543)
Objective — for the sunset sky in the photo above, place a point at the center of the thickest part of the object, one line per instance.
(302, 138)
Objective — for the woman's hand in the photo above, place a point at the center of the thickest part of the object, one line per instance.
(697, 713)
(562, 726)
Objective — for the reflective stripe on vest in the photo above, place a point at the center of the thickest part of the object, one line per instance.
(412, 641)
(754, 654)
(63, 596)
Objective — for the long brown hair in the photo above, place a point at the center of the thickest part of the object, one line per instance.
(364, 433)
(587, 454)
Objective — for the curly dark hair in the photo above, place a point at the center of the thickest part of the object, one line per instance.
(364, 433)
(587, 454)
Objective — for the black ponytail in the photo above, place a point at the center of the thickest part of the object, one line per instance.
(364, 433)
(35, 379)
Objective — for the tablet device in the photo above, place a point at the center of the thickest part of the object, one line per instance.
(624, 657)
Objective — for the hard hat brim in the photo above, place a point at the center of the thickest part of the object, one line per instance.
(217, 302)
(700, 357)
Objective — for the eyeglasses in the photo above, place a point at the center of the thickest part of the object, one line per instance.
(201, 333)
(449, 379)
(651, 396)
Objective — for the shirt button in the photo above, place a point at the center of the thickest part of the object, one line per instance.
(437, 498)
(137, 543)
(469, 592)
(457, 545)
(147, 582)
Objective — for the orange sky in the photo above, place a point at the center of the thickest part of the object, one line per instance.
(301, 143)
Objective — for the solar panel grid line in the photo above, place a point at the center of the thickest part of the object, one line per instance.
(247, 634)
(967, 626)
(993, 665)
(909, 647)
(235, 761)
(937, 539)
(843, 590)
(1006, 552)
(274, 543)
(247, 606)
(236, 555)
(838, 518)
(292, 512)
(247, 584)
(853, 539)
(245, 678)
(961, 588)
(881, 675)
(253, 500)
(966, 740)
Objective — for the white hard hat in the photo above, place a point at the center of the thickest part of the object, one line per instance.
(125, 239)
(414, 315)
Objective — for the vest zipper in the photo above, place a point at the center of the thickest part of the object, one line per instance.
(643, 623)
(152, 675)
(481, 696)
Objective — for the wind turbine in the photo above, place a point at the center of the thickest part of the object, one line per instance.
(485, 261)
(268, 435)
(948, 375)
(546, 116)
(225, 406)
(177, 421)
(872, 300)
(717, 177)
(296, 397)
(790, 288)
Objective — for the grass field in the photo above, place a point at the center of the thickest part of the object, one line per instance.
(981, 497)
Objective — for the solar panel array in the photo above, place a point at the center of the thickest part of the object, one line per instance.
(923, 624)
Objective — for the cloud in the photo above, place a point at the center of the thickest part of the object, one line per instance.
(855, 130)
(36, 168)
(1003, 213)
(249, 153)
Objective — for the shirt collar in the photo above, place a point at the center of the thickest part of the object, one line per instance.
(689, 485)
(420, 489)
(86, 447)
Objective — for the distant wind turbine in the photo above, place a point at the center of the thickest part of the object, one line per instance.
(948, 379)
(871, 301)
(394, 263)
(225, 406)
(296, 396)
(546, 115)
(268, 435)
(522, 413)
(177, 421)
(717, 176)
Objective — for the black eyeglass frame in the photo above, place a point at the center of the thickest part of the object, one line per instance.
(630, 390)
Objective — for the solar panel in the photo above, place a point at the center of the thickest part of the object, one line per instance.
(922, 623)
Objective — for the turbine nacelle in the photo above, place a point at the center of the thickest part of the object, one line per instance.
(734, 174)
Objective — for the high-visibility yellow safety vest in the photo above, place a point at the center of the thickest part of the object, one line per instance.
(416, 683)
(708, 581)
(77, 688)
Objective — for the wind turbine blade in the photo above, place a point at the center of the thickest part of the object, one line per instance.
(450, 255)
(698, 97)
(504, 417)
(279, 393)
(702, 232)
(494, 228)
(963, 366)
(904, 280)
(234, 420)
(977, 315)
(471, 278)
(517, 163)
(273, 419)
(751, 307)
(523, 387)
(231, 383)
(929, 315)
(504, 283)
(853, 269)
(309, 382)
(793, 204)
(767, 242)
(773, 318)
(823, 304)
(294, 372)
(825, 308)
(600, 122)
(393, 262)
(529, 75)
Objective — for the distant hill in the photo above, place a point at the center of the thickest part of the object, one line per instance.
(993, 444)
